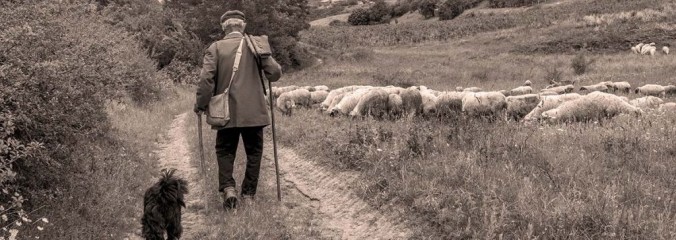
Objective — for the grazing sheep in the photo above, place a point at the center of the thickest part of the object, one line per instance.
(624, 87)
(332, 94)
(593, 106)
(648, 102)
(449, 103)
(318, 96)
(521, 90)
(504, 92)
(665, 50)
(483, 103)
(520, 106)
(458, 89)
(278, 91)
(472, 89)
(651, 90)
(648, 49)
(322, 88)
(670, 90)
(309, 88)
(528, 83)
(668, 107)
(547, 103)
(393, 90)
(561, 89)
(348, 102)
(412, 101)
(298, 97)
(373, 103)
(548, 93)
(429, 101)
(336, 100)
(395, 106)
(634, 50)
(601, 87)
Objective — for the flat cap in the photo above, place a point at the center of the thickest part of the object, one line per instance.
(233, 14)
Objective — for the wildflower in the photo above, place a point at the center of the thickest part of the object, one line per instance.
(4, 217)
(40, 228)
(45, 220)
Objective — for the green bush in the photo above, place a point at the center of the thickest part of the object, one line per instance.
(450, 9)
(359, 17)
(59, 64)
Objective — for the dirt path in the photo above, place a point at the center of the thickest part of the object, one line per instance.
(175, 153)
(310, 189)
(314, 197)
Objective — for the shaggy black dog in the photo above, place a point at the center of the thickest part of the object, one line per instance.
(162, 207)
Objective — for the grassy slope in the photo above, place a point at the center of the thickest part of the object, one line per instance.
(464, 178)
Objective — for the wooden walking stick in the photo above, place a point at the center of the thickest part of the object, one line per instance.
(274, 140)
(202, 165)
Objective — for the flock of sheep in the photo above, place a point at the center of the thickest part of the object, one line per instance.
(523, 103)
(648, 49)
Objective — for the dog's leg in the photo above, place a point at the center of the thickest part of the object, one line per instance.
(174, 229)
(152, 227)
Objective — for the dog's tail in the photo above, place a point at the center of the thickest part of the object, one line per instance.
(172, 188)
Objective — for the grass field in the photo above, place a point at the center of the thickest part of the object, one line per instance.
(462, 178)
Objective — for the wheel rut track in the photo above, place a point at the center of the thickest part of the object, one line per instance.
(337, 208)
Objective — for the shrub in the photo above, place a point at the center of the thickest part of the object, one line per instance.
(453, 8)
(426, 8)
(359, 17)
(553, 75)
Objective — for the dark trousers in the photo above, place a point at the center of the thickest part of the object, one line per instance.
(226, 148)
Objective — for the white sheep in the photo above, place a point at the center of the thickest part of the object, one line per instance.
(547, 103)
(278, 91)
(561, 89)
(621, 87)
(349, 101)
(647, 102)
(601, 87)
(373, 103)
(288, 100)
(665, 50)
(528, 83)
(322, 88)
(429, 101)
(548, 93)
(634, 49)
(638, 48)
(318, 96)
(458, 89)
(505, 92)
(395, 105)
(651, 90)
(472, 89)
(593, 106)
(412, 101)
(336, 99)
(449, 103)
(521, 90)
(668, 107)
(332, 94)
(300, 97)
(670, 90)
(393, 90)
(519, 106)
(483, 103)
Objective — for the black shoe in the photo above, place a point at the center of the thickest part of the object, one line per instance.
(229, 198)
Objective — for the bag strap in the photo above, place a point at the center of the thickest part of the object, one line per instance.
(259, 61)
(235, 66)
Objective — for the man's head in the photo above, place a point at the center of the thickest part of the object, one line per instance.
(233, 21)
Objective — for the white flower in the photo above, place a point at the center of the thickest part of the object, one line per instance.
(41, 228)
(18, 223)
(25, 219)
(45, 220)
(4, 217)
(2, 208)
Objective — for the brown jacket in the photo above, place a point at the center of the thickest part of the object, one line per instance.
(247, 101)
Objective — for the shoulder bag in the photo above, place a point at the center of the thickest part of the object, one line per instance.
(218, 111)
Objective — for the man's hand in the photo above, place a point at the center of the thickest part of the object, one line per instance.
(197, 110)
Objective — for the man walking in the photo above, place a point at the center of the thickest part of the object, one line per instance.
(248, 109)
